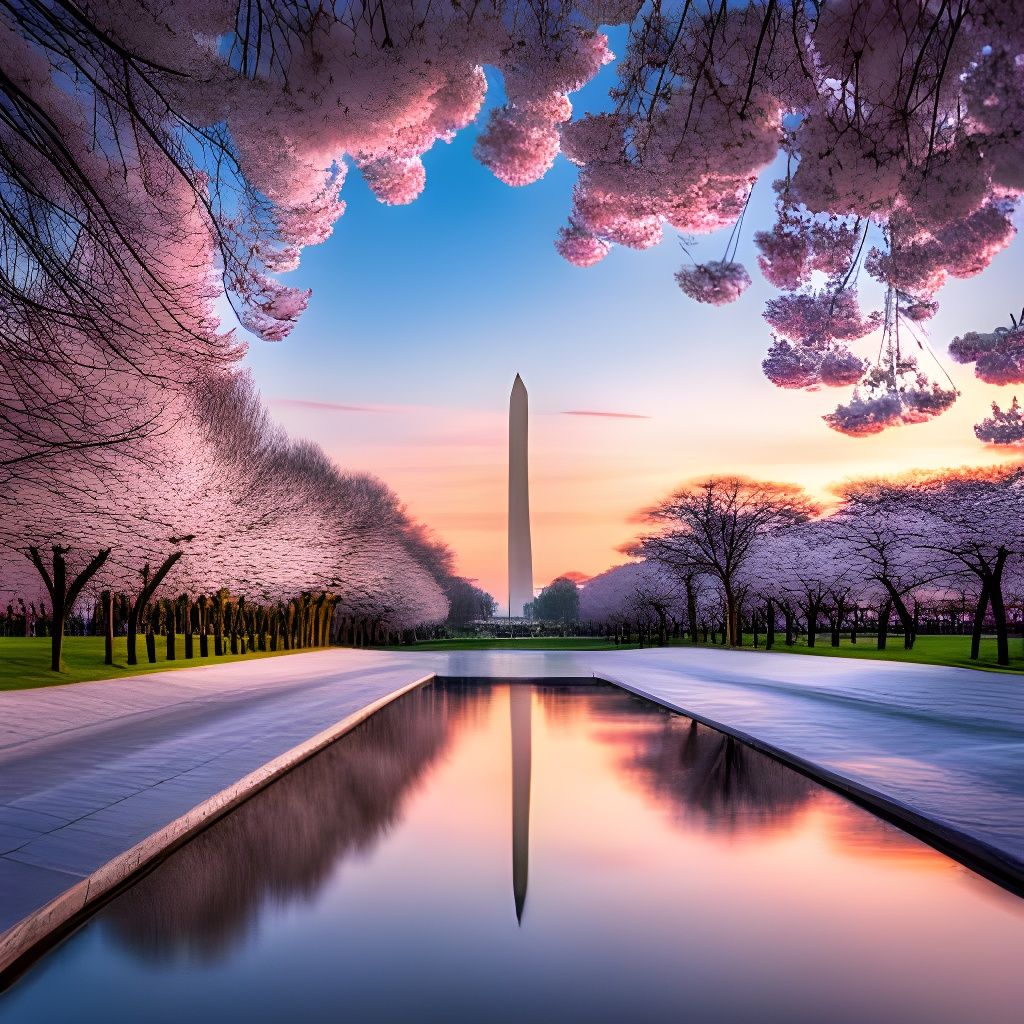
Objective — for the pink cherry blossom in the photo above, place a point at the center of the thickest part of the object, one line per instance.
(580, 247)
(840, 367)
(395, 181)
(518, 145)
(1004, 426)
(792, 365)
(897, 393)
(819, 316)
(998, 355)
(918, 309)
(901, 125)
(866, 415)
(785, 255)
(717, 283)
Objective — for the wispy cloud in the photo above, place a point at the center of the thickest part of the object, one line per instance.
(305, 403)
(603, 414)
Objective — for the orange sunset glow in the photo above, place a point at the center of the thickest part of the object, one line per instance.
(591, 474)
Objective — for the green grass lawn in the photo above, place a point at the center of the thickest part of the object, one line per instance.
(25, 661)
(542, 643)
(930, 650)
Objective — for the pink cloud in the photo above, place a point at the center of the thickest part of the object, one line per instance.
(608, 415)
(305, 403)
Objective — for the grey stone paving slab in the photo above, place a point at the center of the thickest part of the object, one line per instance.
(71, 849)
(34, 820)
(12, 837)
(28, 886)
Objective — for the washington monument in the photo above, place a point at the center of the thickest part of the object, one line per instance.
(520, 552)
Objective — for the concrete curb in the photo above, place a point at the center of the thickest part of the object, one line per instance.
(40, 929)
(986, 860)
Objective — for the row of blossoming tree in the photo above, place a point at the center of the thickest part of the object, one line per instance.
(731, 553)
(900, 123)
(218, 525)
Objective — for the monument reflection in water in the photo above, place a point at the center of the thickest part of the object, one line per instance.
(520, 712)
(674, 874)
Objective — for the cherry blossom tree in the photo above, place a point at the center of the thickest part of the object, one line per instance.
(933, 544)
(883, 546)
(467, 602)
(714, 527)
(969, 523)
(227, 513)
(641, 592)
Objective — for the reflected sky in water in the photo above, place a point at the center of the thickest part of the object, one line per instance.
(661, 871)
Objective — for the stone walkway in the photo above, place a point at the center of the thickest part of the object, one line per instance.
(87, 771)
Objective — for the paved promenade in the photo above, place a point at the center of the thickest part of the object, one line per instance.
(88, 770)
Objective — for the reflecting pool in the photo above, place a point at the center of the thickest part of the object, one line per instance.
(514, 852)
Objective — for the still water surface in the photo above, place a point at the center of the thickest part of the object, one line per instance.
(534, 853)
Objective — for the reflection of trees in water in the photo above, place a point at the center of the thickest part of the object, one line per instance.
(859, 833)
(716, 780)
(285, 841)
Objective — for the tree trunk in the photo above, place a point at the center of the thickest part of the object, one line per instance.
(903, 613)
(731, 624)
(186, 605)
(218, 626)
(204, 629)
(691, 610)
(769, 625)
(812, 624)
(107, 601)
(172, 653)
(883, 623)
(999, 610)
(131, 630)
(788, 614)
(836, 622)
(62, 594)
(142, 599)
